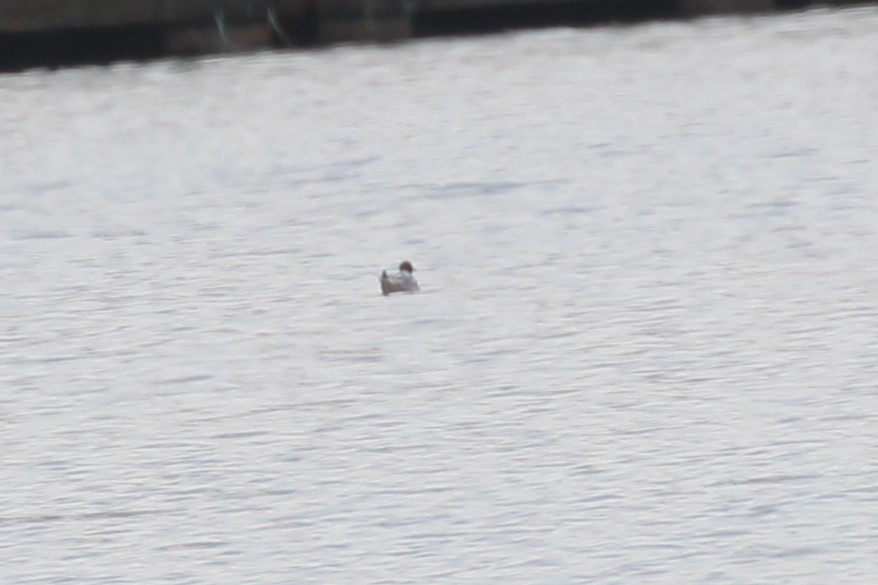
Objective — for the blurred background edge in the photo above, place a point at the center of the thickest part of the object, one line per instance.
(55, 33)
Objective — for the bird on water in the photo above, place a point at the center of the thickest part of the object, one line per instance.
(401, 281)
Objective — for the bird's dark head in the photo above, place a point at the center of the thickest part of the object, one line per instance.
(406, 266)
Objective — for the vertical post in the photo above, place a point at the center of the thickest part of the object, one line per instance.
(220, 19)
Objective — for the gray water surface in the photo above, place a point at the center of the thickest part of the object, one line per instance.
(645, 350)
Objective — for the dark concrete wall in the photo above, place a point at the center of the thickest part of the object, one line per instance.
(699, 7)
(17, 16)
(60, 32)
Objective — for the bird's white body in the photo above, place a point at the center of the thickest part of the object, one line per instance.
(401, 281)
